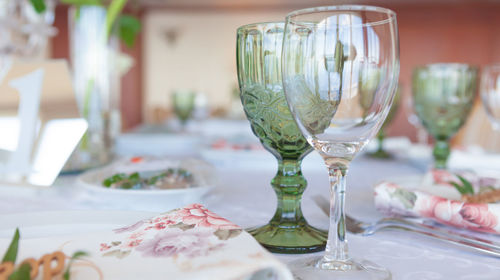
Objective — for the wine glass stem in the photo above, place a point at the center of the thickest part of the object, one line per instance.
(336, 246)
(441, 152)
(380, 138)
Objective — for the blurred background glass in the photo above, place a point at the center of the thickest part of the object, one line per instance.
(490, 93)
(443, 95)
(184, 103)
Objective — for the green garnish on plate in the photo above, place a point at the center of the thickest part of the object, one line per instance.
(172, 178)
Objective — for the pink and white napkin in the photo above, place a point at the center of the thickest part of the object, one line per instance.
(435, 198)
(187, 243)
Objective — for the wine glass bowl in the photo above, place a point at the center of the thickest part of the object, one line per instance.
(443, 95)
(340, 73)
(183, 102)
(490, 93)
(259, 74)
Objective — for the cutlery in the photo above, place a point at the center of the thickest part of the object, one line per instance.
(362, 228)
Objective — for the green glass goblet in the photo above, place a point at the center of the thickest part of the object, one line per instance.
(261, 91)
(443, 95)
(380, 152)
(183, 102)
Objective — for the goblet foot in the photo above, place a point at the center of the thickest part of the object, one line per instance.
(320, 268)
(290, 239)
(381, 154)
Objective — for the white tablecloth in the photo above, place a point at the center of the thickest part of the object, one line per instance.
(244, 196)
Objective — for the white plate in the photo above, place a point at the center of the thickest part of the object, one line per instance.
(54, 223)
(142, 200)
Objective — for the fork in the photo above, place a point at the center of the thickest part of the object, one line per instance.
(463, 240)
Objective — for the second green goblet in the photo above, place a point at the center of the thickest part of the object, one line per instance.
(443, 95)
(261, 90)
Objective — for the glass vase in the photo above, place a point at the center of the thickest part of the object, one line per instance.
(96, 84)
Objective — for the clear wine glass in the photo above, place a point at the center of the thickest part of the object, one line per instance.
(332, 58)
(490, 93)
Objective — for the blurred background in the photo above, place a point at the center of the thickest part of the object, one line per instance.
(190, 44)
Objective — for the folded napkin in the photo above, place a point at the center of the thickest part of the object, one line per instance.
(187, 243)
(438, 200)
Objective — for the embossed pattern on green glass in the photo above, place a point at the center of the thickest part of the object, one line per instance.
(261, 91)
(443, 95)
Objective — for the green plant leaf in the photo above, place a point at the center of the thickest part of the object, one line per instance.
(75, 256)
(464, 188)
(114, 10)
(467, 185)
(11, 254)
(459, 188)
(39, 5)
(22, 273)
(128, 28)
(79, 254)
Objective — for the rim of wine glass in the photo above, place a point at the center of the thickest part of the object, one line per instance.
(256, 24)
(391, 15)
(454, 65)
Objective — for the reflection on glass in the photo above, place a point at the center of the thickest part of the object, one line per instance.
(340, 71)
(443, 95)
(380, 152)
(422, 135)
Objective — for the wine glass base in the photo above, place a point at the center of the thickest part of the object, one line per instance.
(318, 268)
(381, 154)
(295, 239)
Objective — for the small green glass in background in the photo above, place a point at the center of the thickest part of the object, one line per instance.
(380, 152)
(261, 91)
(183, 102)
(443, 95)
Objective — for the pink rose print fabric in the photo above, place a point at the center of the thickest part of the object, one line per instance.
(191, 231)
(199, 216)
(394, 199)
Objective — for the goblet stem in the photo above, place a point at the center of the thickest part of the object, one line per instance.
(380, 138)
(336, 252)
(441, 153)
(288, 231)
(289, 185)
